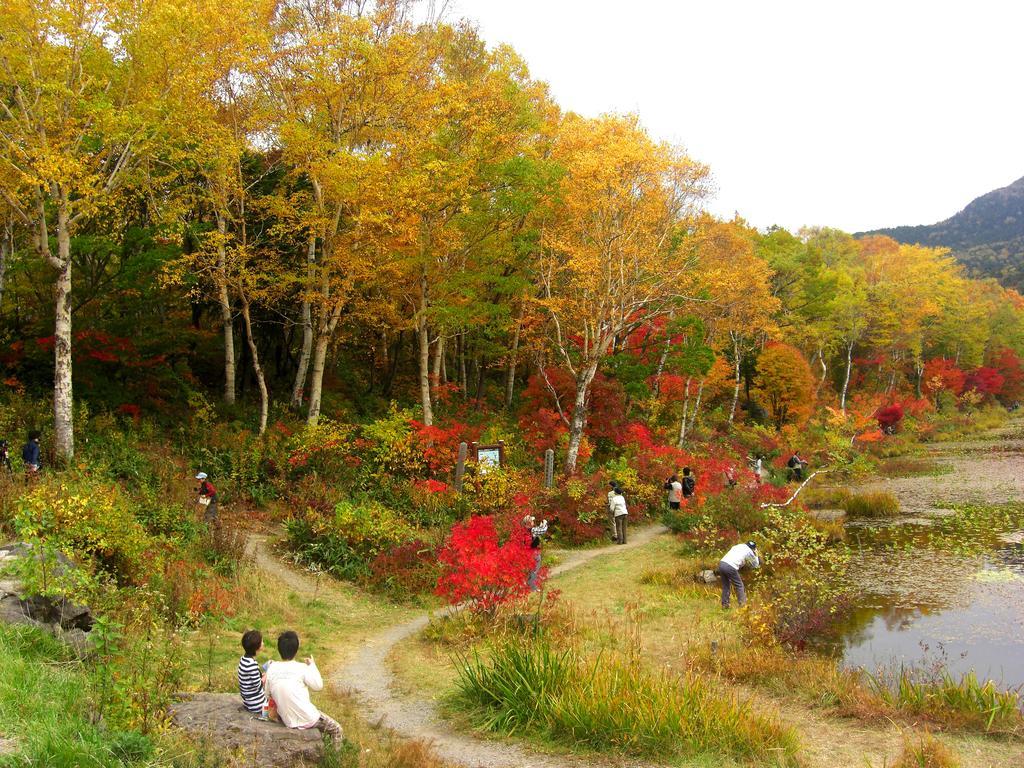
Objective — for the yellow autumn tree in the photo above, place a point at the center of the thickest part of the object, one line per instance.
(785, 385)
(609, 254)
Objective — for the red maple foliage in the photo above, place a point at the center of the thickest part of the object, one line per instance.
(988, 382)
(478, 569)
(942, 375)
(889, 416)
(1010, 367)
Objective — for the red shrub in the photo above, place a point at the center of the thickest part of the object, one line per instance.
(988, 382)
(408, 569)
(1009, 366)
(480, 570)
(889, 416)
(942, 375)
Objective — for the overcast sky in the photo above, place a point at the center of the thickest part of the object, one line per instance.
(849, 114)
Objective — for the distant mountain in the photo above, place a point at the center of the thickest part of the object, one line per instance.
(987, 236)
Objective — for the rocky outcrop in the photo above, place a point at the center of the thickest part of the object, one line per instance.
(220, 720)
(66, 620)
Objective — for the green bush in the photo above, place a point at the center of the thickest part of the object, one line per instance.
(613, 703)
(735, 509)
(874, 504)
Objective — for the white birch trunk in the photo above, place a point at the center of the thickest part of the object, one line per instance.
(257, 369)
(307, 329)
(579, 416)
(225, 314)
(846, 378)
(686, 408)
(63, 394)
(736, 388)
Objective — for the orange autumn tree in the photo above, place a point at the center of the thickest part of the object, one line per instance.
(785, 385)
(609, 256)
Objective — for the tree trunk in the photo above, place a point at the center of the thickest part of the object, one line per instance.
(396, 354)
(424, 355)
(736, 389)
(6, 249)
(307, 329)
(686, 407)
(662, 360)
(510, 372)
(481, 369)
(919, 370)
(316, 382)
(225, 313)
(846, 378)
(696, 405)
(579, 417)
(63, 395)
(463, 383)
(435, 369)
(824, 373)
(257, 369)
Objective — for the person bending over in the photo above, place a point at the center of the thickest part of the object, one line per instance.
(729, 571)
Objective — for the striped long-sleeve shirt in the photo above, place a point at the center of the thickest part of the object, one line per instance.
(250, 684)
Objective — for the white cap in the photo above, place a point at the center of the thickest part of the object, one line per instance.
(201, 476)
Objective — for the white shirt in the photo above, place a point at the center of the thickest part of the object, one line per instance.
(288, 683)
(611, 500)
(619, 505)
(739, 555)
(675, 492)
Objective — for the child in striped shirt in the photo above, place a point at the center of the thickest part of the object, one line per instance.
(250, 679)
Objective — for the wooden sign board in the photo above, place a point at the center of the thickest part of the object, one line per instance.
(487, 456)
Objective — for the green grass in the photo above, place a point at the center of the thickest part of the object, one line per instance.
(966, 702)
(42, 706)
(612, 703)
(874, 504)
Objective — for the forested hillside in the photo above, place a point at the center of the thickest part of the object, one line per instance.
(987, 236)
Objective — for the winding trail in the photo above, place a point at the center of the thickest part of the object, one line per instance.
(368, 678)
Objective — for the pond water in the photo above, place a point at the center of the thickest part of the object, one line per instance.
(930, 610)
(958, 606)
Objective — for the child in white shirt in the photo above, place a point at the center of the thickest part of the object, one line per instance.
(289, 683)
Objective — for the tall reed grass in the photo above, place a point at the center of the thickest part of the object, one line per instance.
(964, 702)
(613, 703)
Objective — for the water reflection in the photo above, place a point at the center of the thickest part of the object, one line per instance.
(922, 608)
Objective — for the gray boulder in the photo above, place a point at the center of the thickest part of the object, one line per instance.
(706, 577)
(62, 618)
(220, 720)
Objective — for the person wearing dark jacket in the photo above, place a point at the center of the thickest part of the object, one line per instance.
(30, 455)
(689, 484)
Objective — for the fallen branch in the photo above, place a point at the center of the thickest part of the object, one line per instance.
(767, 504)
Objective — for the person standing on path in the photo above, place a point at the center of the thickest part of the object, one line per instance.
(614, 485)
(729, 571)
(689, 484)
(619, 513)
(536, 532)
(208, 499)
(675, 492)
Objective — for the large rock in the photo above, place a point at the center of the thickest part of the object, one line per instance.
(706, 577)
(64, 619)
(220, 719)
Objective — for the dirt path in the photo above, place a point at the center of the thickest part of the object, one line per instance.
(370, 680)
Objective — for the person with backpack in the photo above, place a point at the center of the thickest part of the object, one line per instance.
(689, 484)
(796, 466)
(208, 499)
(675, 492)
